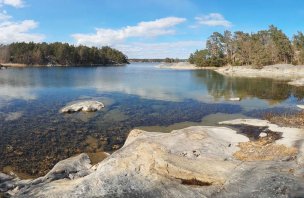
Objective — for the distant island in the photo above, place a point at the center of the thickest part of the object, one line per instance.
(59, 54)
(266, 47)
(157, 60)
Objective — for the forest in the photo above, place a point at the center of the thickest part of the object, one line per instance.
(59, 54)
(266, 47)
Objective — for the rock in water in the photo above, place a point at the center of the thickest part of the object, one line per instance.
(234, 99)
(87, 106)
(300, 106)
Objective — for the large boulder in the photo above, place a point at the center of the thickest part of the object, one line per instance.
(193, 162)
(87, 106)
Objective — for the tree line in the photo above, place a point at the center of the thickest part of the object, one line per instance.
(266, 47)
(59, 54)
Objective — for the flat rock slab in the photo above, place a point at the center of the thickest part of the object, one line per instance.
(192, 162)
(86, 106)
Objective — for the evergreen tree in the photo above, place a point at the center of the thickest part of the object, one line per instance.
(298, 47)
(59, 54)
(265, 47)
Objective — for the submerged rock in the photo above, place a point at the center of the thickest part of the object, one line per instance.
(13, 116)
(192, 162)
(87, 106)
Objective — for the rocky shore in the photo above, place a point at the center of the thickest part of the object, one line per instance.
(182, 66)
(292, 73)
(200, 161)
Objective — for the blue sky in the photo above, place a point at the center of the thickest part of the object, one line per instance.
(143, 28)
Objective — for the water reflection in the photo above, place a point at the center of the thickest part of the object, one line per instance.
(9, 92)
(274, 91)
(34, 136)
(41, 136)
(143, 80)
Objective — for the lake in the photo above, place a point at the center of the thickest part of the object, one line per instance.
(34, 135)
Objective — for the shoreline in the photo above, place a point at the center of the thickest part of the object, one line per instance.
(279, 71)
(294, 74)
(183, 66)
(197, 161)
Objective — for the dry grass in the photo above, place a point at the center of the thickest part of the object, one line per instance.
(264, 149)
(293, 120)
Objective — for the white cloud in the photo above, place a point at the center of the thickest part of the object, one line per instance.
(14, 3)
(18, 32)
(163, 26)
(180, 49)
(213, 19)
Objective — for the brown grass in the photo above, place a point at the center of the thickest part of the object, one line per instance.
(264, 149)
(293, 120)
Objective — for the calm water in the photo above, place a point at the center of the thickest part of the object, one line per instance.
(34, 135)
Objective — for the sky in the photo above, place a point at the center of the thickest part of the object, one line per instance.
(143, 28)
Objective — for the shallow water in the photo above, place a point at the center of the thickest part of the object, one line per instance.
(34, 135)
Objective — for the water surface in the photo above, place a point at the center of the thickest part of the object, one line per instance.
(34, 135)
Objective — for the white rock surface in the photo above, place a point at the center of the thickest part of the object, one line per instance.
(234, 99)
(87, 106)
(300, 106)
(263, 135)
(178, 66)
(292, 73)
(280, 71)
(152, 164)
